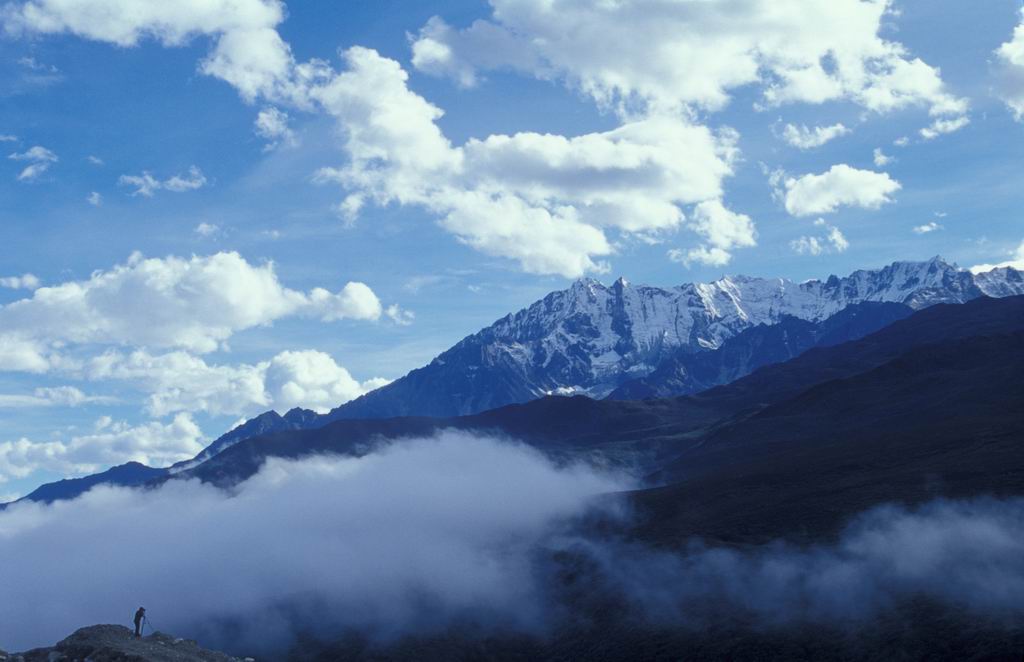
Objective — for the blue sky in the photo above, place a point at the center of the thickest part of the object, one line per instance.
(685, 132)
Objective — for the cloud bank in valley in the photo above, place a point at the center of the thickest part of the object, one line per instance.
(414, 534)
(421, 535)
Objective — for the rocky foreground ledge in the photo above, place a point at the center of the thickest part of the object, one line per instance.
(116, 643)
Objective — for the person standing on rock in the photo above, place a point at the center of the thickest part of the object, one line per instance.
(140, 616)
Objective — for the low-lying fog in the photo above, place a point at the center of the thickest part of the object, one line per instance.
(420, 534)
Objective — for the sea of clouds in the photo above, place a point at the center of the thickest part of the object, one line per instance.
(456, 528)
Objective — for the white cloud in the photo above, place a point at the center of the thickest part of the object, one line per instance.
(838, 241)
(7, 138)
(206, 229)
(40, 159)
(95, 160)
(942, 126)
(23, 354)
(840, 186)
(193, 304)
(722, 229)
(1010, 71)
(543, 200)
(399, 316)
(248, 53)
(881, 159)
(802, 137)
(57, 396)
(833, 241)
(655, 54)
(155, 444)
(146, 185)
(1016, 261)
(931, 226)
(94, 199)
(549, 211)
(179, 381)
(712, 257)
(25, 281)
(272, 125)
(547, 202)
(312, 380)
(354, 301)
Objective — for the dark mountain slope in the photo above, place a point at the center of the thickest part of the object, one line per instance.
(128, 474)
(639, 435)
(687, 372)
(633, 435)
(943, 420)
(134, 473)
(937, 324)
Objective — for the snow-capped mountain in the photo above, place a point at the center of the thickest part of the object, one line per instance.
(590, 338)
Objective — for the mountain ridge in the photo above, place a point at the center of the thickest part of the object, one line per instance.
(591, 338)
(611, 335)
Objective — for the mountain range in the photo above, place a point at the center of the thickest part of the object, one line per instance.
(623, 342)
(590, 338)
(926, 407)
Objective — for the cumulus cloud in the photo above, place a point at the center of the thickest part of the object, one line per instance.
(880, 158)
(155, 444)
(1010, 71)
(39, 161)
(1016, 261)
(271, 124)
(94, 199)
(24, 355)
(543, 200)
(248, 52)
(833, 241)
(452, 519)
(549, 211)
(723, 231)
(146, 184)
(178, 381)
(653, 54)
(802, 137)
(553, 208)
(311, 379)
(194, 304)
(840, 186)
(25, 281)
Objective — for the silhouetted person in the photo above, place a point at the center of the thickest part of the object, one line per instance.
(140, 616)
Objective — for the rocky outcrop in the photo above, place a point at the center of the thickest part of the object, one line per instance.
(116, 643)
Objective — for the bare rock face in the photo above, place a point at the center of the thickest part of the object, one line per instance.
(116, 643)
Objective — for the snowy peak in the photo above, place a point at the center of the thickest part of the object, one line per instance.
(590, 338)
(601, 333)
